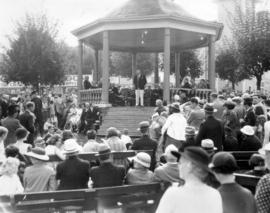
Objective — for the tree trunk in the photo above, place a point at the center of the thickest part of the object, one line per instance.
(258, 83)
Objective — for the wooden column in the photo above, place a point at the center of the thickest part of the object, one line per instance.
(177, 70)
(105, 65)
(166, 81)
(156, 74)
(79, 78)
(211, 62)
(134, 63)
(95, 74)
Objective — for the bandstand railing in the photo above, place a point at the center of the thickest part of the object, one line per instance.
(91, 96)
(201, 93)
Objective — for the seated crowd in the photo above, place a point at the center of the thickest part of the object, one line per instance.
(186, 144)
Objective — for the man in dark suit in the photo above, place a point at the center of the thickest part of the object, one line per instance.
(73, 173)
(11, 123)
(139, 82)
(38, 112)
(106, 174)
(211, 128)
(27, 119)
(86, 83)
(250, 117)
(91, 116)
(146, 143)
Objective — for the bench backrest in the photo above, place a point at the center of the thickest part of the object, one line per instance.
(248, 181)
(128, 196)
(242, 158)
(56, 199)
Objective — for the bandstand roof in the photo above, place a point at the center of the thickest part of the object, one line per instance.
(138, 26)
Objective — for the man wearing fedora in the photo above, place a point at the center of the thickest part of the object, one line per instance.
(174, 127)
(146, 143)
(72, 173)
(194, 196)
(211, 128)
(107, 174)
(235, 198)
(39, 177)
(248, 140)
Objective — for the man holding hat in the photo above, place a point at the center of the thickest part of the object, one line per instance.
(194, 196)
(235, 198)
(146, 143)
(73, 173)
(39, 177)
(106, 174)
(211, 128)
(174, 127)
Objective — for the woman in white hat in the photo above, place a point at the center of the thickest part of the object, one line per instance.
(249, 141)
(140, 172)
(39, 177)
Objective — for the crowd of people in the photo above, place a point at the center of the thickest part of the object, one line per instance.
(188, 143)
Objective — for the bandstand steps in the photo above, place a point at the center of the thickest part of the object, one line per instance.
(125, 117)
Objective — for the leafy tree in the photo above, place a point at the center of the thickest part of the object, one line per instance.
(33, 56)
(252, 35)
(228, 67)
(189, 64)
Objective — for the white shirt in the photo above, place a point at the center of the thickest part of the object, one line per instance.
(23, 147)
(126, 139)
(10, 185)
(266, 133)
(175, 125)
(2, 152)
(191, 198)
(91, 146)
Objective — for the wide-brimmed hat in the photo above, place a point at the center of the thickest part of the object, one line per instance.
(190, 131)
(208, 145)
(247, 130)
(209, 108)
(196, 155)
(38, 153)
(143, 159)
(143, 125)
(71, 146)
(224, 163)
(103, 149)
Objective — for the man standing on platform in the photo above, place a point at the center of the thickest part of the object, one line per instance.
(139, 82)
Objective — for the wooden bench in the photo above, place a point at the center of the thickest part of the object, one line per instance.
(145, 197)
(59, 200)
(242, 158)
(129, 197)
(248, 181)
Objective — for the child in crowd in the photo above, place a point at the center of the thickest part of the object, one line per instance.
(9, 181)
(140, 172)
(21, 135)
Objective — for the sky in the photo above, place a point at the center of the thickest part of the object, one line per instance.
(71, 14)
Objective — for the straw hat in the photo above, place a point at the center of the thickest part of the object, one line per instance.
(71, 146)
(248, 130)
